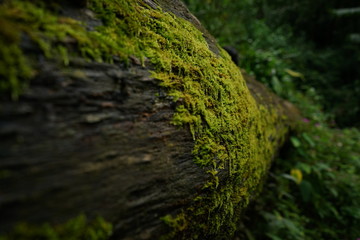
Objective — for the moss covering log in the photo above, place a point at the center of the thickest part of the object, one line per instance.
(129, 110)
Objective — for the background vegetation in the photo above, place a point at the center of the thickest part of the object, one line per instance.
(307, 52)
(319, 39)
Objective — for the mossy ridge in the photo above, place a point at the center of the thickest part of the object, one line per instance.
(58, 38)
(229, 129)
(78, 228)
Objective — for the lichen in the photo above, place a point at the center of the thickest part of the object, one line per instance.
(231, 131)
(78, 228)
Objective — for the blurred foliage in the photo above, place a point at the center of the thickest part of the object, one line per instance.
(319, 39)
(313, 192)
(307, 52)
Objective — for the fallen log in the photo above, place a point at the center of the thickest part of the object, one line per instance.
(130, 111)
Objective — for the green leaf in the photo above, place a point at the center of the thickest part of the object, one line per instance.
(346, 11)
(304, 167)
(288, 176)
(294, 74)
(323, 166)
(295, 142)
(334, 192)
(276, 85)
(308, 140)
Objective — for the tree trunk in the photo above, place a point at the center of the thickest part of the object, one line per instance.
(100, 139)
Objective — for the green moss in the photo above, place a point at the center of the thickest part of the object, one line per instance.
(75, 229)
(13, 64)
(231, 132)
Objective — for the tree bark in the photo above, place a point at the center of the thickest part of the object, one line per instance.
(96, 138)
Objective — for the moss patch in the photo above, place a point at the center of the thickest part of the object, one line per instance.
(231, 132)
(75, 229)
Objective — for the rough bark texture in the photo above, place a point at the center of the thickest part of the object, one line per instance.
(96, 138)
